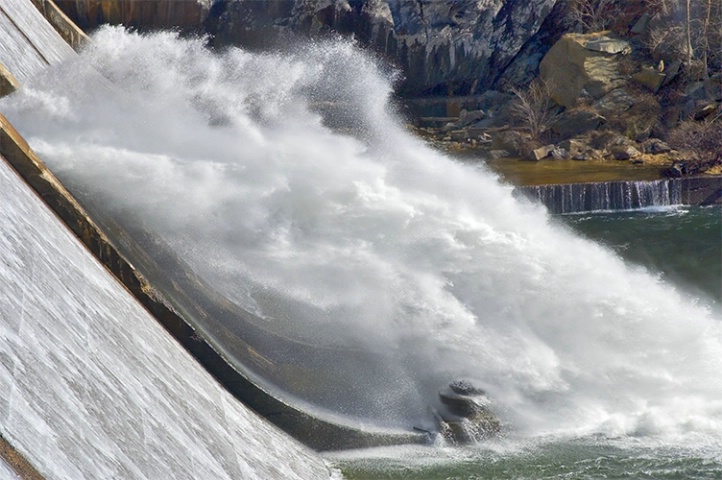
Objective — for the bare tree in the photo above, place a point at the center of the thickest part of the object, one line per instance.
(688, 33)
(534, 108)
(592, 15)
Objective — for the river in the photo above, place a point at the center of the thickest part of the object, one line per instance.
(413, 269)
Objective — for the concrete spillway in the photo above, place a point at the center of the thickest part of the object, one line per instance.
(6, 471)
(93, 387)
(29, 43)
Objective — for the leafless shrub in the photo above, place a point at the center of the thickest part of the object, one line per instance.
(701, 140)
(638, 122)
(592, 15)
(666, 41)
(688, 31)
(534, 108)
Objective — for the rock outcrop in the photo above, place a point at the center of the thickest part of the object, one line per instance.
(583, 64)
(444, 47)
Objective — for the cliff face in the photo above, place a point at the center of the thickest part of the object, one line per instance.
(442, 46)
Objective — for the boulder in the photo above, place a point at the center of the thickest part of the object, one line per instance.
(672, 71)
(570, 68)
(465, 416)
(655, 146)
(511, 141)
(650, 78)
(542, 152)
(458, 135)
(468, 117)
(625, 152)
(641, 26)
(609, 45)
(575, 122)
(574, 146)
(607, 140)
(497, 154)
(704, 110)
(617, 101)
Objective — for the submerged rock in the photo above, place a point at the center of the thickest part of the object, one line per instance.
(465, 416)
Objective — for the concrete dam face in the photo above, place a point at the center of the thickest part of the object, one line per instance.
(92, 386)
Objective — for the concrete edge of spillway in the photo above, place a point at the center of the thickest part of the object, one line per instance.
(314, 431)
(69, 31)
(17, 462)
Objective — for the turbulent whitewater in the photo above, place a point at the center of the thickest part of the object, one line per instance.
(285, 182)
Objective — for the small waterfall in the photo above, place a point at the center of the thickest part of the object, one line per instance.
(605, 196)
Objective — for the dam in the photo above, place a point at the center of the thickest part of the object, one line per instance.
(349, 276)
(92, 386)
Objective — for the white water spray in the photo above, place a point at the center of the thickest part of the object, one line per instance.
(370, 241)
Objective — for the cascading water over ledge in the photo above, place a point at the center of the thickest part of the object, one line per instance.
(624, 195)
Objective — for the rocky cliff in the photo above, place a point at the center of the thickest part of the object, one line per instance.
(449, 47)
(441, 46)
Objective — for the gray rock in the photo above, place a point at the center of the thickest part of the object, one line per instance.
(511, 141)
(465, 416)
(570, 68)
(469, 117)
(625, 152)
(617, 101)
(572, 123)
(605, 141)
(542, 152)
(609, 45)
(704, 110)
(458, 135)
(650, 78)
(655, 146)
(672, 71)
(497, 154)
(641, 26)
(441, 46)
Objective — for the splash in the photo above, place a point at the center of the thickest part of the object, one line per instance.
(285, 182)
